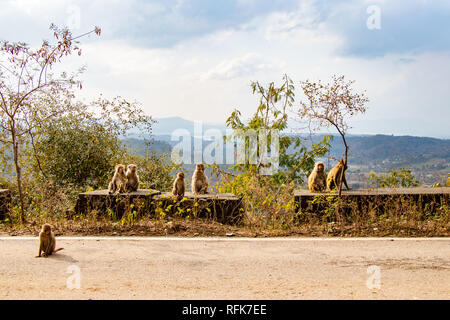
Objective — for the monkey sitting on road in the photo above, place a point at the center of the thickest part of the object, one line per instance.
(47, 241)
(119, 180)
(178, 186)
(317, 181)
(132, 178)
(335, 176)
(199, 181)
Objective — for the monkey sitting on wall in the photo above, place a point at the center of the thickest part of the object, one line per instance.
(335, 176)
(317, 181)
(119, 180)
(199, 183)
(47, 241)
(132, 178)
(178, 186)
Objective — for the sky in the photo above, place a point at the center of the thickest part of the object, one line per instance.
(195, 59)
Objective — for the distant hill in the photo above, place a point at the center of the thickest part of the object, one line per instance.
(428, 158)
(370, 150)
(373, 150)
(140, 146)
(394, 151)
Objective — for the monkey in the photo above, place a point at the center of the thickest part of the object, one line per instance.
(338, 172)
(132, 178)
(178, 186)
(199, 183)
(47, 241)
(317, 181)
(118, 182)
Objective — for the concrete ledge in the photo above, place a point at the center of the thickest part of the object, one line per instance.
(223, 207)
(112, 204)
(364, 198)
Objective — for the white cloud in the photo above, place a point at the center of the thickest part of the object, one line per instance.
(248, 64)
(284, 23)
(210, 69)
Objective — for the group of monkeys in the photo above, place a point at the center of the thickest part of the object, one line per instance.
(199, 183)
(319, 182)
(129, 181)
(124, 181)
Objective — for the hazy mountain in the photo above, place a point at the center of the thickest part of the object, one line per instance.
(368, 150)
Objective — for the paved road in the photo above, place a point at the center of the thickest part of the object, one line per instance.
(162, 268)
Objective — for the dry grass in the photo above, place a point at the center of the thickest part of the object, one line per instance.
(392, 217)
(179, 227)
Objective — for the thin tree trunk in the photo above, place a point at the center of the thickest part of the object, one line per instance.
(345, 164)
(18, 171)
(340, 181)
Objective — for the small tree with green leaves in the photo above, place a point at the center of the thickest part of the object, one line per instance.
(295, 160)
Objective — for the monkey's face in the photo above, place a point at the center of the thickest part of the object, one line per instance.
(120, 169)
(46, 228)
(180, 175)
(200, 167)
(320, 167)
(132, 168)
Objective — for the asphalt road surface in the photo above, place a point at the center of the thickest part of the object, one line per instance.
(180, 268)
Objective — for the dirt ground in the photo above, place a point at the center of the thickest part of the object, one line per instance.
(237, 268)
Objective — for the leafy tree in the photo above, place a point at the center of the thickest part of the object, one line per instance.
(330, 105)
(27, 75)
(82, 147)
(295, 160)
(394, 179)
(78, 152)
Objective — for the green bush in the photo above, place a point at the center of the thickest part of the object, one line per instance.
(394, 179)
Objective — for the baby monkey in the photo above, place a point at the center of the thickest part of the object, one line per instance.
(178, 186)
(47, 241)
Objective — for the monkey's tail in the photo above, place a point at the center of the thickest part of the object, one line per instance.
(59, 249)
